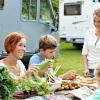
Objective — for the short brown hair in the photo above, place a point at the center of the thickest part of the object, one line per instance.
(11, 41)
(47, 42)
(97, 12)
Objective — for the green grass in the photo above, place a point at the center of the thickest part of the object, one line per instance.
(70, 58)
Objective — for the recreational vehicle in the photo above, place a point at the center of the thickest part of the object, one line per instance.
(32, 17)
(75, 18)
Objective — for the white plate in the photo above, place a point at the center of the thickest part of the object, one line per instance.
(82, 92)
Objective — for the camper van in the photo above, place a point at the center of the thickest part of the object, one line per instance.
(75, 18)
(34, 18)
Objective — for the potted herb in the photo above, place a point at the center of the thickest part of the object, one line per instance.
(7, 84)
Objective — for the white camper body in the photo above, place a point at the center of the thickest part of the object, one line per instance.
(75, 18)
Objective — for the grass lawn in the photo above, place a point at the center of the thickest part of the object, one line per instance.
(70, 58)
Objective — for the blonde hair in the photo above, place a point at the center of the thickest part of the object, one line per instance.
(97, 12)
(11, 41)
(47, 42)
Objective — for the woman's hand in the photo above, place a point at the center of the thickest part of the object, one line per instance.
(32, 69)
(86, 73)
(41, 72)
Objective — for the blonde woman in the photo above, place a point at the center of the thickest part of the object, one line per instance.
(91, 47)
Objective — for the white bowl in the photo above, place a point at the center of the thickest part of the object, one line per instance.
(55, 85)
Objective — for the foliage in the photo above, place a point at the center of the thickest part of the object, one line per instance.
(36, 83)
(7, 84)
(26, 8)
(45, 11)
(25, 84)
(56, 5)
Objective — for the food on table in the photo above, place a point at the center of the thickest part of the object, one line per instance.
(87, 81)
(69, 85)
(77, 82)
(84, 80)
(70, 75)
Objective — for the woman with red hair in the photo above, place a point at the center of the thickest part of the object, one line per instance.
(15, 46)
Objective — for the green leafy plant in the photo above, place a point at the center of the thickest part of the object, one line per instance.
(26, 84)
(42, 88)
(56, 5)
(34, 82)
(7, 84)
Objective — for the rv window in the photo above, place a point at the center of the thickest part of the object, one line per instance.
(45, 14)
(28, 9)
(1, 4)
(72, 9)
(96, 0)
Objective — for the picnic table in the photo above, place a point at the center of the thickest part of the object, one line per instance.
(59, 95)
(67, 94)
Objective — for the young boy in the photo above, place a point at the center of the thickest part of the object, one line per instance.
(47, 47)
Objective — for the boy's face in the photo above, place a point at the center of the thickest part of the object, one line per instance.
(49, 53)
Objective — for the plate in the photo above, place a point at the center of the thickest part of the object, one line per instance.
(82, 92)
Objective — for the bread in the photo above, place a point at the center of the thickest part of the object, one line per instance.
(70, 75)
(88, 81)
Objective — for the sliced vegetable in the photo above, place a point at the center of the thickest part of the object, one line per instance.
(45, 64)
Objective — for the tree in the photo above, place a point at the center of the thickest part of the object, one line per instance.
(55, 5)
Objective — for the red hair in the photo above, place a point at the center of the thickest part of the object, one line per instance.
(11, 41)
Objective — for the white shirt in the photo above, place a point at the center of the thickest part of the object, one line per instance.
(21, 68)
(91, 48)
